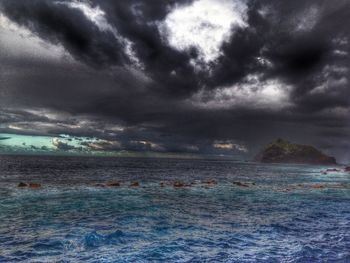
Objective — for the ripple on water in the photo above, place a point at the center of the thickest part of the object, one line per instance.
(93, 239)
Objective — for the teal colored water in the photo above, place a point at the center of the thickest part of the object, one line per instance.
(279, 213)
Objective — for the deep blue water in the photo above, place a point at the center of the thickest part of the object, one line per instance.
(280, 217)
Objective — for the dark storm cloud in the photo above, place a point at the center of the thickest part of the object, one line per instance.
(301, 44)
(59, 24)
(300, 57)
(294, 55)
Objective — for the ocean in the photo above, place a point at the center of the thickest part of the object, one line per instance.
(171, 210)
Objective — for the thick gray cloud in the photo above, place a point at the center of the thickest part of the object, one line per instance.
(108, 69)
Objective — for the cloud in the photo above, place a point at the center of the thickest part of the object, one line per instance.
(62, 146)
(56, 23)
(98, 18)
(252, 92)
(229, 146)
(204, 25)
(19, 41)
(102, 145)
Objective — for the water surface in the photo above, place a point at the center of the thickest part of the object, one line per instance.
(281, 213)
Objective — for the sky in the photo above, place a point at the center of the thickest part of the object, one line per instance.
(212, 77)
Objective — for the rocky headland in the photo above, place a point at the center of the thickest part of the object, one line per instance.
(282, 151)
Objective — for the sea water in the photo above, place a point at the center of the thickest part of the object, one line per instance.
(251, 213)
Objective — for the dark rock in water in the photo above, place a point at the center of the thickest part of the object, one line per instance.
(318, 186)
(135, 184)
(113, 184)
(347, 169)
(241, 184)
(210, 182)
(332, 170)
(34, 185)
(21, 184)
(179, 184)
(282, 151)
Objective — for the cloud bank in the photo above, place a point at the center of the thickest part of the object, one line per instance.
(177, 76)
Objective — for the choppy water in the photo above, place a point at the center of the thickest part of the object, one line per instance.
(282, 216)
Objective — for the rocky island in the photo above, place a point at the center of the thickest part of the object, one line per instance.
(282, 151)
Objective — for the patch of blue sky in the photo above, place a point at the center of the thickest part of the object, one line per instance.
(30, 143)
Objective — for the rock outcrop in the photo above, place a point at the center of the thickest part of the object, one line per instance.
(135, 184)
(282, 151)
(34, 185)
(113, 184)
(21, 184)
